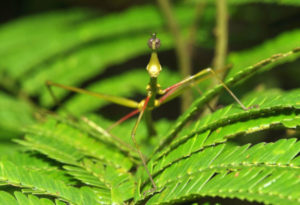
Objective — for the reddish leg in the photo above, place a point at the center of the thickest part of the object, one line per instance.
(129, 115)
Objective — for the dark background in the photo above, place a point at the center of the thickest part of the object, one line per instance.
(17, 8)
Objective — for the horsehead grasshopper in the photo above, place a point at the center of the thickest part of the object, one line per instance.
(144, 107)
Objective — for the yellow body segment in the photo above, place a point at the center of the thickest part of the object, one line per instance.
(154, 67)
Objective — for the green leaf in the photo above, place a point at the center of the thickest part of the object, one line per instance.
(36, 182)
(16, 113)
(200, 102)
(44, 21)
(282, 43)
(31, 199)
(9, 148)
(120, 182)
(253, 184)
(240, 172)
(7, 198)
(69, 36)
(31, 162)
(68, 145)
(231, 121)
(114, 184)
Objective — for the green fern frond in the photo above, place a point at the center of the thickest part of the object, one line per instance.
(278, 155)
(86, 177)
(240, 172)
(54, 149)
(69, 145)
(200, 102)
(216, 129)
(31, 162)
(253, 184)
(119, 181)
(38, 183)
(91, 179)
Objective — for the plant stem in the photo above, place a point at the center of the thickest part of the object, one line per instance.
(221, 32)
(181, 48)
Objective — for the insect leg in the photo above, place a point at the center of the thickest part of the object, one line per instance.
(137, 146)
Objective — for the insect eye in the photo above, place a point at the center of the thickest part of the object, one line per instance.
(154, 42)
(157, 43)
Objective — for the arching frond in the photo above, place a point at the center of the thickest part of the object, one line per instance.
(241, 172)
